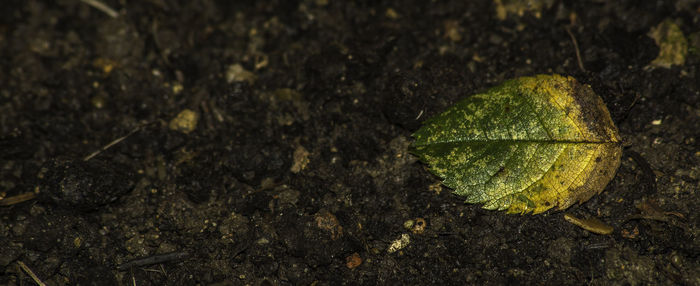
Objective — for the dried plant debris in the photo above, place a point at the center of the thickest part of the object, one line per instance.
(519, 8)
(673, 46)
(591, 224)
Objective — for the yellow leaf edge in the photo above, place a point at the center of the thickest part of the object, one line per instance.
(602, 153)
(592, 114)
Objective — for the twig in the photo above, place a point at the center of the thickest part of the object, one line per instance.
(17, 199)
(116, 141)
(578, 53)
(419, 115)
(155, 259)
(31, 273)
(110, 144)
(636, 97)
(597, 245)
(102, 7)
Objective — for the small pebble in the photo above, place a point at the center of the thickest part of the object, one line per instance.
(185, 121)
(400, 243)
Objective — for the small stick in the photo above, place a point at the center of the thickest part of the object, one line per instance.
(155, 259)
(598, 245)
(120, 139)
(17, 199)
(116, 141)
(419, 114)
(31, 273)
(102, 7)
(578, 53)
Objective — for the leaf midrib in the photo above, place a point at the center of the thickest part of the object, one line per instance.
(506, 141)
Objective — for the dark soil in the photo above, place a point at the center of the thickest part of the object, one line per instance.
(297, 172)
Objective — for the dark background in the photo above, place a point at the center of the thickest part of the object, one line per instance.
(298, 166)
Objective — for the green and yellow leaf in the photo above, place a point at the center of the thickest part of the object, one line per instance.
(527, 145)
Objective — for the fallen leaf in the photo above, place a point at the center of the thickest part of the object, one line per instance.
(527, 145)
